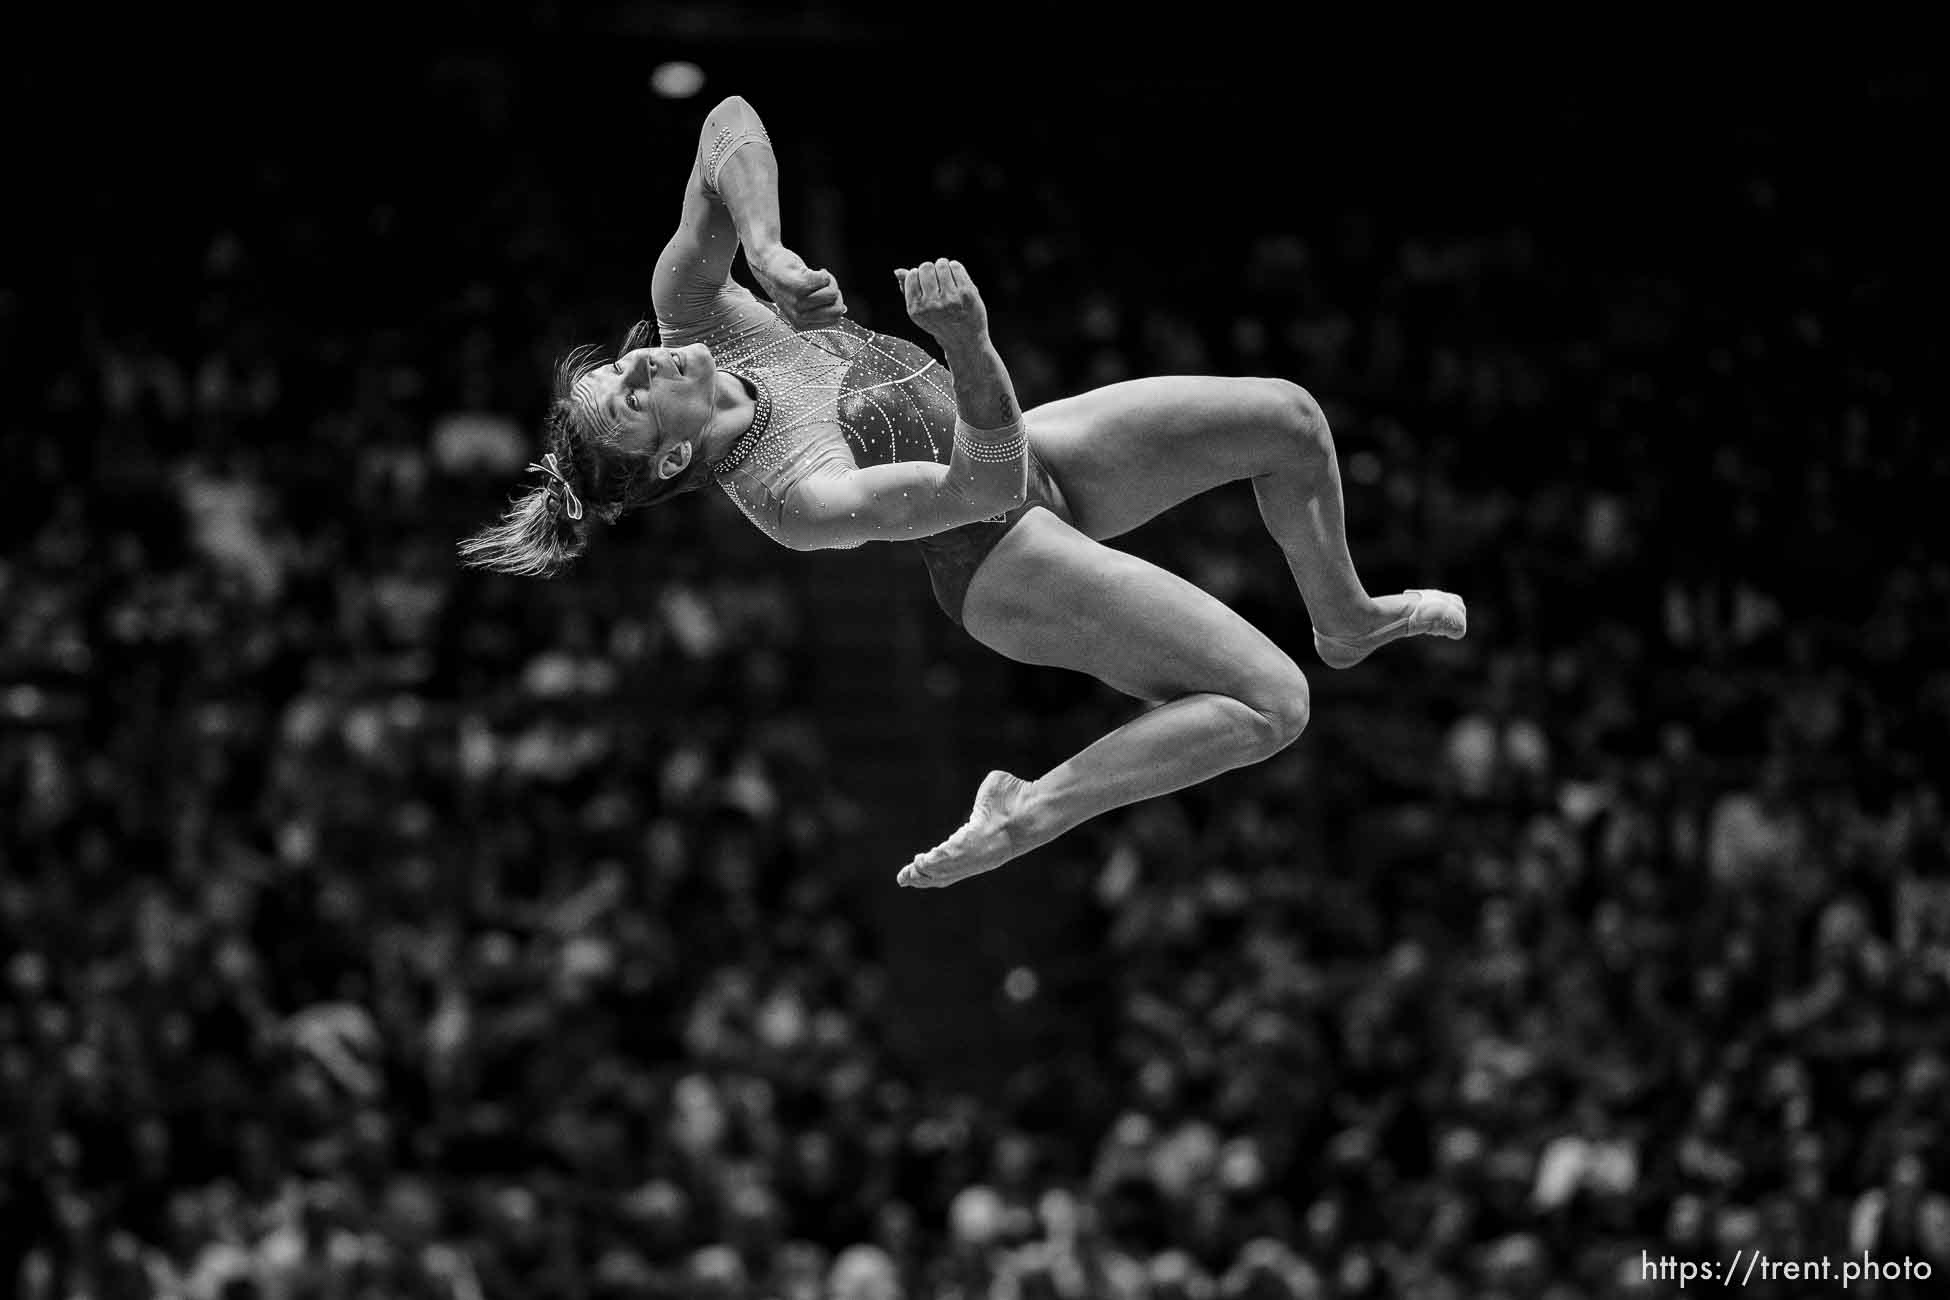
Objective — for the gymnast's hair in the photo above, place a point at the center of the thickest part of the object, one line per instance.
(586, 477)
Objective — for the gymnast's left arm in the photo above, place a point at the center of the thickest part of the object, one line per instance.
(839, 505)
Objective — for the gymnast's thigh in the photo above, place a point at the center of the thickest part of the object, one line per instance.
(1051, 596)
(1124, 453)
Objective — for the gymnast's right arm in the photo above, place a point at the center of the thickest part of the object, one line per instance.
(733, 199)
(988, 473)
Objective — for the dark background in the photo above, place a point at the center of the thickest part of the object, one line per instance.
(373, 927)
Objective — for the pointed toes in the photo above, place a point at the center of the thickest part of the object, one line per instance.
(1454, 617)
(1442, 613)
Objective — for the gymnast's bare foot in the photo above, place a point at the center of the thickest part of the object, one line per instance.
(1413, 613)
(984, 842)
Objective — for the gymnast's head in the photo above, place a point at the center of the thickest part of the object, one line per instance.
(622, 432)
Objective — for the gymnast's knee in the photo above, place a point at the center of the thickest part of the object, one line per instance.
(1281, 710)
(1301, 423)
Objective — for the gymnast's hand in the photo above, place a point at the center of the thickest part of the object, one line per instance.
(805, 297)
(942, 300)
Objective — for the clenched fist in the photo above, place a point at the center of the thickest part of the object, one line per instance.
(807, 298)
(942, 300)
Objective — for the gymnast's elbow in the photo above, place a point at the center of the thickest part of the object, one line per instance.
(998, 494)
(987, 503)
(1007, 501)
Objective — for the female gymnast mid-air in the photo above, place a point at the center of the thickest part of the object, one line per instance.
(826, 434)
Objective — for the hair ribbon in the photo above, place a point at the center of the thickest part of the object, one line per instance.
(559, 487)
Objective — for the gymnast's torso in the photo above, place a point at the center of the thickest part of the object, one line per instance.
(842, 397)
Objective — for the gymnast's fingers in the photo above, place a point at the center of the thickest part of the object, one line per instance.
(827, 295)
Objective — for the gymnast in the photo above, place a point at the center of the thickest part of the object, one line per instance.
(826, 434)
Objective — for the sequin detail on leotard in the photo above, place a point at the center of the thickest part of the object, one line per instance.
(755, 432)
(842, 397)
(726, 144)
(840, 394)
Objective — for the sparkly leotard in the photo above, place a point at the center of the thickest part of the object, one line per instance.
(841, 397)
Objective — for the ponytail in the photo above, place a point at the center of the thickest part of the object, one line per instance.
(587, 479)
(534, 539)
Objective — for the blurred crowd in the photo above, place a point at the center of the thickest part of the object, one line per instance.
(375, 929)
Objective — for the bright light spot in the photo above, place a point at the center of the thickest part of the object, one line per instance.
(1021, 984)
(679, 80)
(23, 702)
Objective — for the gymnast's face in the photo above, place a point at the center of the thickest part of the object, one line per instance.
(654, 401)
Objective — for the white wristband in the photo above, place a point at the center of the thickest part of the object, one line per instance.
(996, 446)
